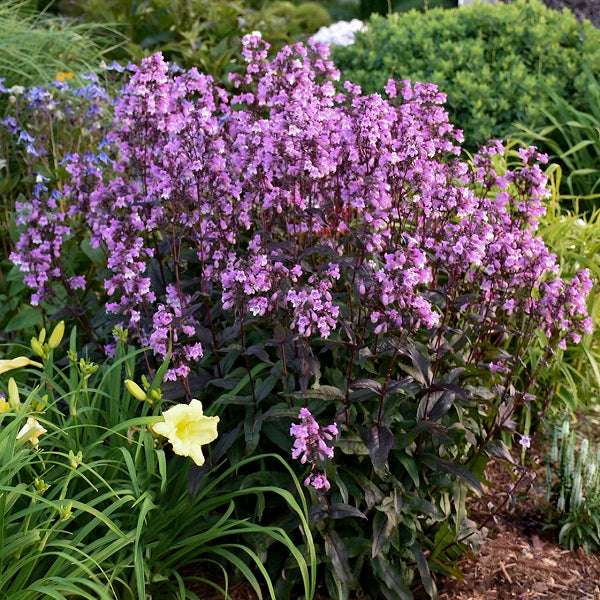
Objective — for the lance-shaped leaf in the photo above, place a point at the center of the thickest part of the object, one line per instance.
(379, 443)
(338, 555)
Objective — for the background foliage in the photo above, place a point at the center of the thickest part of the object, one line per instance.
(35, 46)
(496, 63)
(201, 33)
(572, 138)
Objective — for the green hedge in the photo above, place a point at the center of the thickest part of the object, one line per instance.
(496, 63)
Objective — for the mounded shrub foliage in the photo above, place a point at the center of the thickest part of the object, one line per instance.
(497, 63)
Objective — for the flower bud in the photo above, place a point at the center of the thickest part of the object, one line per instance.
(13, 393)
(65, 512)
(145, 383)
(41, 404)
(135, 390)
(75, 459)
(38, 348)
(40, 485)
(16, 363)
(57, 335)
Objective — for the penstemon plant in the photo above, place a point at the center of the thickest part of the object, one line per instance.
(323, 251)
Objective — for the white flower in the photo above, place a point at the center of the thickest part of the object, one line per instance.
(340, 33)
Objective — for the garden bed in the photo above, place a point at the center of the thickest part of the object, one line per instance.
(520, 557)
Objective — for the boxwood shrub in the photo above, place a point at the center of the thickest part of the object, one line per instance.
(496, 63)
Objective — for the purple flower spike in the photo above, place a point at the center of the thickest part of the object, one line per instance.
(313, 445)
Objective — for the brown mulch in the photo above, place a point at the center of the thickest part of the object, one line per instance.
(519, 558)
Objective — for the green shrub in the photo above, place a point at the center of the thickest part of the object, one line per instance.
(495, 62)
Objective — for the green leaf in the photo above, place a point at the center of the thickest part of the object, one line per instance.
(379, 443)
(369, 384)
(424, 572)
(455, 469)
(410, 465)
(382, 529)
(26, 319)
(323, 392)
(338, 555)
(392, 579)
(252, 426)
(351, 442)
(335, 510)
(96, 255)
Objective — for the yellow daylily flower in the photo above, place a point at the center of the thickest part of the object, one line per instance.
(186, 427)
(4, 405)
(17, 363)
(31, 431)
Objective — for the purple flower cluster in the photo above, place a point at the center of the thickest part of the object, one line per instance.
(43, 122)
(291, 200)
(312, 445)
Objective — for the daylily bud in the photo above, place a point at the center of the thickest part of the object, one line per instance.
(57, 335)
(75, 459)
(17, 363)
(65, 511)
(42, 337)
(40, 485)
(41, 404)
(38, 348)
(145, 383)
(13, 393)
(135, 390)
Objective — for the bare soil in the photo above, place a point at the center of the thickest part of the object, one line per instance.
(519, 557)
